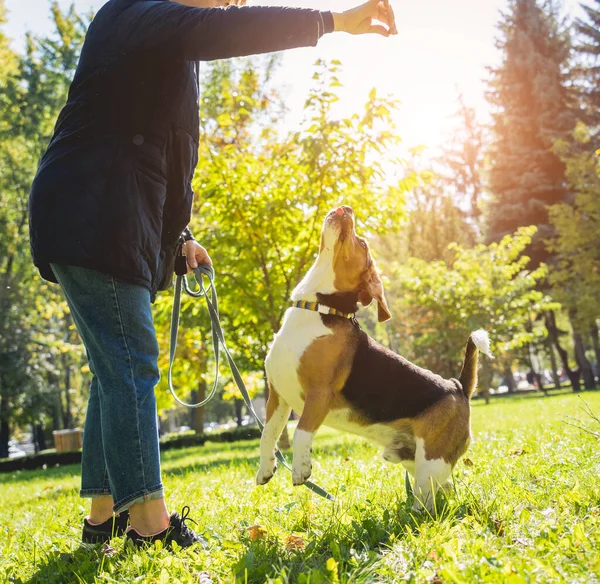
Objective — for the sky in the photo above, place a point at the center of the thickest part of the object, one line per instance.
(443, 48)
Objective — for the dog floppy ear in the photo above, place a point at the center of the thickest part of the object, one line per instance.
(373, 289)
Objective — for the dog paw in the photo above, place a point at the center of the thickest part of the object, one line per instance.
(301, 472)
(423, 504)
(265, 473)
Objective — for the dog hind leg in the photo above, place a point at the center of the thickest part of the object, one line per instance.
(278, 413)
(430, 475)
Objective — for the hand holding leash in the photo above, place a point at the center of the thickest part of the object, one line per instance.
(195, 255)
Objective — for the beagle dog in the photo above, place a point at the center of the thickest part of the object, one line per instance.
(330, 372)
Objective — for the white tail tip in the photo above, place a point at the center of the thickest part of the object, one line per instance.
(482, 342)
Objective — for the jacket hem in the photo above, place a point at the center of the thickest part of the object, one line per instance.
(47, 274)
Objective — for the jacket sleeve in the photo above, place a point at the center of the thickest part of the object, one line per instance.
(204, 34)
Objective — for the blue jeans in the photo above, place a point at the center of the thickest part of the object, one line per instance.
(121, 456)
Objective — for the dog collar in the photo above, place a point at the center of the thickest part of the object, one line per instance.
(322, 309)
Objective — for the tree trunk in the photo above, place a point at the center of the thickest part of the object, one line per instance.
(197, 414)
(57, 413)
(68, 417)
(4, 428)
(553, 333)
(535, 368)
(596, 345)
(238, 404)
(485, 378)
(39, 440)
(584, 365)
(390, 335)
(555, 376)
(540, 381)
(509, 377)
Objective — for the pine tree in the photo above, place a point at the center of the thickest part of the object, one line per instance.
(462, 163)
(531, 102)
(588, 48)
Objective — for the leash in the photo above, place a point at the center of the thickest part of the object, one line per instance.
(218, 340)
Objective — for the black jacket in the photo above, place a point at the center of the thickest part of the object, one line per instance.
(113, 191)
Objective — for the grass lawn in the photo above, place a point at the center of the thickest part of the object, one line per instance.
(526, 509)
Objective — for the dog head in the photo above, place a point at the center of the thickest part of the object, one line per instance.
(354, 270)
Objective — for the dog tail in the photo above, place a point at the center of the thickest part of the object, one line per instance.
(478, 341)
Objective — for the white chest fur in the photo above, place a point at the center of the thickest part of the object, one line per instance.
(299, 329)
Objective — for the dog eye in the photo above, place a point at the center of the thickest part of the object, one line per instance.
(363, 244)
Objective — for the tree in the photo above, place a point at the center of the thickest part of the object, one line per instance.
(32, 88)
(588, 49)
(532, 109)
(433, 220)
(261, 196)
(438, 304)
(462, 163)
(575, 275)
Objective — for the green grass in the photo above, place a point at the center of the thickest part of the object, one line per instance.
(526, 509)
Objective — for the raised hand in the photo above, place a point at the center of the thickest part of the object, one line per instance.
(373, 17)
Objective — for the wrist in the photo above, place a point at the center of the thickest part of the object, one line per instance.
(338, 21)
(187, 235)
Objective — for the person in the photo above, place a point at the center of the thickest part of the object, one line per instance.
(109, 209)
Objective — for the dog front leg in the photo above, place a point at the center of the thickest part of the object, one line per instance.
(316, 408)
(278, 413)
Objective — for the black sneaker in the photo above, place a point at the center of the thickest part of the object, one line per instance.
(115, 526)
(177, 532)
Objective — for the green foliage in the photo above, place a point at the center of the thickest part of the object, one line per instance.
(438, 304)
(526, 508)
(575, 275)
(588, 49)
(262, 194)
(33, 323)
(261, 197)
(433, 221)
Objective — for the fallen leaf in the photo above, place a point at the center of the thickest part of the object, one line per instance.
(294, 542)
(518, 452)
(108, 550)
(468, 462)
(256, 532)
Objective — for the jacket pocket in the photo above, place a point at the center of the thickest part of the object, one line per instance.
(149, 157)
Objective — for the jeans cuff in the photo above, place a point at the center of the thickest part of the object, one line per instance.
(94, 493)
(139, 497)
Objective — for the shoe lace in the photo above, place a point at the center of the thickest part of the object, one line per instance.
(185, 512)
